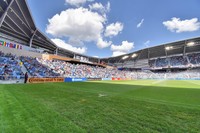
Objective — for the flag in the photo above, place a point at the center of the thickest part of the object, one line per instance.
(7, 44)
(20, 46)
(4, 44)
(1, 43)
(11, 45)
(17, 46)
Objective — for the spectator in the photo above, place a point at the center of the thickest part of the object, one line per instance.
(26, 78)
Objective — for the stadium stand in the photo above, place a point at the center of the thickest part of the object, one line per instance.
(10, 67)
(178, 61)
(36, 69)
(67, 69)
(194, 58)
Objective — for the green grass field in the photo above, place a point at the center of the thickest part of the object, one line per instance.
(100, 107)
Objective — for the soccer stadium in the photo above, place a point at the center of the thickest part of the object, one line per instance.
(48, 88)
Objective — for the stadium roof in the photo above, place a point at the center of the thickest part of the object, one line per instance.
(168, 49)
(16, 21)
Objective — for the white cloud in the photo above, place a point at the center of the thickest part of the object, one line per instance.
(76, 3)
(75, 42)
(64, 45)
(113, 29)
(100, 8)
(103, 44)
(124, 48)
(177, 25)
(79, 23)
(140, 24)
(96, 6)
(147, 43)
(108, 7)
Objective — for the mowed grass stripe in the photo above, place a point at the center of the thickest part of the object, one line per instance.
(158, 91)
(21, 114)
(77, 107)
(169, 95)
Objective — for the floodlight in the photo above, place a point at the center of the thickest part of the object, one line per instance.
(168, 47)
(134, 55)
(125, 57)
(190, 43)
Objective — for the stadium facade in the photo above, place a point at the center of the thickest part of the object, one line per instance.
(18, 30)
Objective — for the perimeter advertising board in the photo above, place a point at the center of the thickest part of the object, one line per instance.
(116, 78)
(94, 79)
(45, 80)
(75, 79)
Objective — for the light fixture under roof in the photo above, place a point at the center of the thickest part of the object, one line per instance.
(168, 47)
(125, 57)
(134, 55)
(190, 44)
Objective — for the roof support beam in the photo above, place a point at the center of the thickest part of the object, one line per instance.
(13, 30)
(56, 51)
(31, 39)
(41, 39)
(17, 26)
(23, 15)
(15, 35)
(1, 9)
(5, 13)
(9, 26)
(184, 48)
(165, 52)
(20, 19)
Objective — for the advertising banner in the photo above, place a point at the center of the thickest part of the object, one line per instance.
(106, 78)
(94, 79)
(75, 79)
(45, 80)
(116, 78)
(125, 79)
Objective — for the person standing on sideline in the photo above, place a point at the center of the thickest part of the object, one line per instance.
(26, 77)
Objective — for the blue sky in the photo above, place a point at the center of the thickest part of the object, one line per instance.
(107, 28)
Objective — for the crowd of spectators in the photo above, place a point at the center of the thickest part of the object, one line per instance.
(188, 74)
(10, 67)
(67, 69)
(194, 58)
(175, 61)
(178, 61)
(36, 69)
